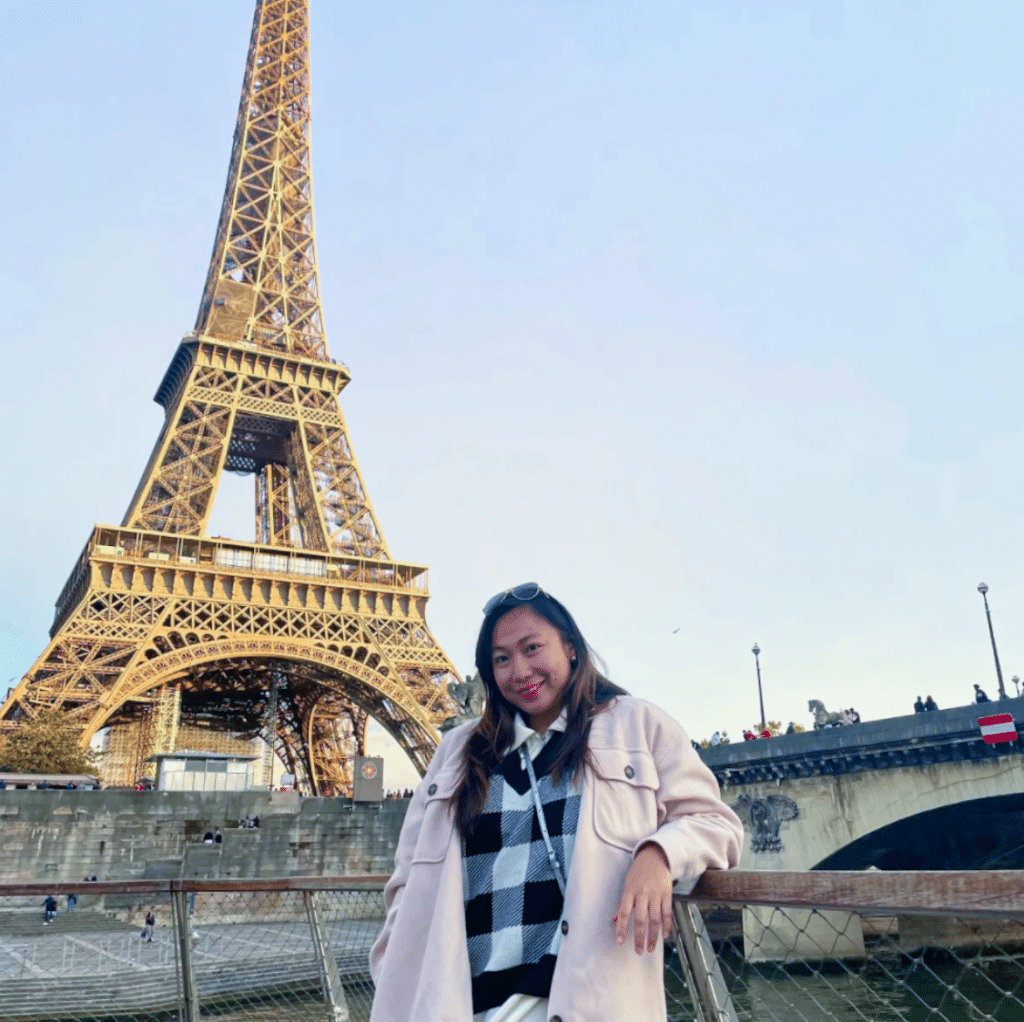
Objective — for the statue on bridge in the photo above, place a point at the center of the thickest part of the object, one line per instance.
(822, 717)
(470, 696)
(765, 816)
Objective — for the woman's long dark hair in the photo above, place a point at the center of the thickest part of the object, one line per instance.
(586, 693)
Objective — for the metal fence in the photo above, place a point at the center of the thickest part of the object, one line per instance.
(870, 946)
(291, 950)
(765, 947)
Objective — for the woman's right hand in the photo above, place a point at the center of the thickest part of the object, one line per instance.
(647, 899)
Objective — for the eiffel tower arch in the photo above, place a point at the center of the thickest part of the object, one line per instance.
(175, 639)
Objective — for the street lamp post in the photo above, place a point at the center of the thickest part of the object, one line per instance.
(760, 695)
(1016, 683)
(983, 589)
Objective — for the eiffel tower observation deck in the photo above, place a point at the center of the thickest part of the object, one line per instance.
(173, 639)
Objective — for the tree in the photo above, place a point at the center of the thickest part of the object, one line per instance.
(46, 744)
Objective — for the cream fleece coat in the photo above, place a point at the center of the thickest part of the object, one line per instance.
(647, 784)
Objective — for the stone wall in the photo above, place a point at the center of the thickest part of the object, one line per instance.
(128, 835)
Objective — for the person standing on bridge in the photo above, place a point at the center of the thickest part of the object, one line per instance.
(930, 704)
(979, 695)
(542, 835)
(918, 706)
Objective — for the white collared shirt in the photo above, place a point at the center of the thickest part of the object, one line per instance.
(535, 742)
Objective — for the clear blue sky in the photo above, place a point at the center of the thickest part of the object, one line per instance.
(706, 316)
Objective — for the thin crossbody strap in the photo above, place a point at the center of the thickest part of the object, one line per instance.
(552, 858)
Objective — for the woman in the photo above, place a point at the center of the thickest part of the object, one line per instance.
(498, 913)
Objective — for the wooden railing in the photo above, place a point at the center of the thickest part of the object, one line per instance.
(961, 893)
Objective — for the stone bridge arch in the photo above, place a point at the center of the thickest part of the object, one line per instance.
(841, 818)
(983, 833)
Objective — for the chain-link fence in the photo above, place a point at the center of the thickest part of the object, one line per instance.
(290, 950)
(283, 954)
(765, 947)
(870, 947)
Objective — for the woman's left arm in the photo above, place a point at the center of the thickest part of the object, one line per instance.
(698, 831)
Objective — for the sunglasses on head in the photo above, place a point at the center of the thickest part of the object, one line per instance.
(525, 592)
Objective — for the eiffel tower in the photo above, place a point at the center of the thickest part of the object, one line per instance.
(171, 637)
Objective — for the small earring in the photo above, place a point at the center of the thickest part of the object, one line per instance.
(573, 662)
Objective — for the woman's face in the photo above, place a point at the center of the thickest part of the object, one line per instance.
(530, 660)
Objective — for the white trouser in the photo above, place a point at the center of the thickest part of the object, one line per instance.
(518, 1008)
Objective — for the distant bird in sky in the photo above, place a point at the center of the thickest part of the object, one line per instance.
(674, 630)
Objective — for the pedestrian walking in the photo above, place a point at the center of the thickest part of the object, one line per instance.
(49, 909)
(625, 808)
(979, 695)
(150, 925)
(72, 900)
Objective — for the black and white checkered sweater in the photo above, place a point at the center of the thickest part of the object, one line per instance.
(513, 902)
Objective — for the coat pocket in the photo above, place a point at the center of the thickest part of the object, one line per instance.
(625, 796)
(438, 819)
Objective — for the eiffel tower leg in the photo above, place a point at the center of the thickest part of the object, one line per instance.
(126, 749)
(348, 518)
(177, 490)
(296, 758)
(168, 711)
(336, 735)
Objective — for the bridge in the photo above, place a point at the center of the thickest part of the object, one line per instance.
(920, 792)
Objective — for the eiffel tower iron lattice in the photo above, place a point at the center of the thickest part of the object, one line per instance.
(303, 635)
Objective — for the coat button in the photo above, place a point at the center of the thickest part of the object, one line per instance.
(565, 927)
(432, 789)
(630, 772)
